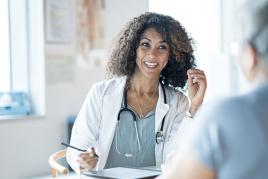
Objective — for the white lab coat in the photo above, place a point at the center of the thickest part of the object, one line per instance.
(96, 121)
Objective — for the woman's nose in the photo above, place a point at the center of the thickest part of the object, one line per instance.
(152, 53)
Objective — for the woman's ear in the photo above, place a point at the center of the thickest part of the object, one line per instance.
(249, 62)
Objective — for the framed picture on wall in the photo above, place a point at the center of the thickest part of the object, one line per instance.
(59, 21)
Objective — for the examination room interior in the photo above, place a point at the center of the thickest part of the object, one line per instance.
(59, 50)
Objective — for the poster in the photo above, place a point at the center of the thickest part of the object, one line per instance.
(59, 21)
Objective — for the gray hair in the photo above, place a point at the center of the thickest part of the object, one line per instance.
(254, 25)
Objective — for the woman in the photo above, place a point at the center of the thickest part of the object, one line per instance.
(131, 119)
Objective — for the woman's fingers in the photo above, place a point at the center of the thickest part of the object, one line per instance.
(190, 71)
(195, 76)
(198, 77)
(189, 81)
(87, 160)
(197, 84)
(87, 164)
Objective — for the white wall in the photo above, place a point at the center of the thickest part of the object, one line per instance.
(25, 144)
(211, 25)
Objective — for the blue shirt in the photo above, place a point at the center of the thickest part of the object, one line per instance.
(128, 143)
(231, 136)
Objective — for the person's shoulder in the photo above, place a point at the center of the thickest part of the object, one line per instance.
(258, 96)
(224, 108)
(227, 103)
(109, 84)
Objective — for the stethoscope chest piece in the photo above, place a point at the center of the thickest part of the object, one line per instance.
(159, 137)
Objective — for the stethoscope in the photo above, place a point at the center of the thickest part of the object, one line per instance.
(159, 137)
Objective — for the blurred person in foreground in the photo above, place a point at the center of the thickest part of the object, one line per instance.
(230, 136)
(131, 119)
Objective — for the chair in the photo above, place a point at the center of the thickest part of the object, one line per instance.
(55, 166)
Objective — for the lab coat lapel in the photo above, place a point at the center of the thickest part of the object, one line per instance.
(111, 106)
(161, 108)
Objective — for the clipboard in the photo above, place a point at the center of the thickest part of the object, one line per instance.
(124, 173)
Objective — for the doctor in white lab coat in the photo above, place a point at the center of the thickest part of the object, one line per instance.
(152, 58)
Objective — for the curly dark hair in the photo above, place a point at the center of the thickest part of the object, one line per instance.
(123, 56)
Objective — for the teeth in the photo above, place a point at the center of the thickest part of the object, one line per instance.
(150, 64)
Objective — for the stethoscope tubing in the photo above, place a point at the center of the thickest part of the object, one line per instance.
(159, 135)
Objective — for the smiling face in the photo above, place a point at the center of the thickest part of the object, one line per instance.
(152, 54)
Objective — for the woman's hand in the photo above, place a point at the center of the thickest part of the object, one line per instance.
(197, 85)
(88, 160)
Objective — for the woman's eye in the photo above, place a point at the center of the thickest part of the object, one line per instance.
(162, 47)
(145, 44)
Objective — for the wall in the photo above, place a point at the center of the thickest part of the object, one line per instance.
(27, 143)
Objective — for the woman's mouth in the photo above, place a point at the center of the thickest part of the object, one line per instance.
(150, 64)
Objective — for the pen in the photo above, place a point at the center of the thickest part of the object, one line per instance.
(81, 150)
(94, 152)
